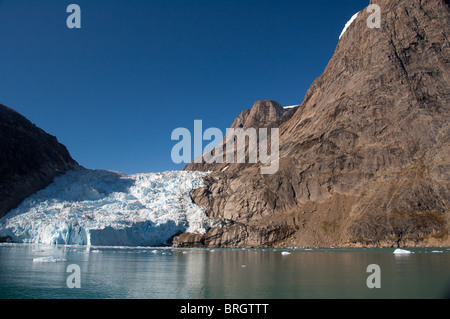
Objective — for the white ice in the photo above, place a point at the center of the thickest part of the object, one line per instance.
(94, 207)
(402, 252)
(49, 259)
(348, 24)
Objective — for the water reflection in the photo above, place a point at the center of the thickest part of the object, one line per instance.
(221, 273)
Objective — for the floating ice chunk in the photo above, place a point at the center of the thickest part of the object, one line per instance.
(402, 252)
(49, 259)
(437, 251)
(285, 253)
(348, 24)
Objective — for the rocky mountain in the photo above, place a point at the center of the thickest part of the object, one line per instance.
(30, 159)
(263, 114)
(364, 160)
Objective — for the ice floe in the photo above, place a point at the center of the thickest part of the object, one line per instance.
(49, 259)
(399, 251)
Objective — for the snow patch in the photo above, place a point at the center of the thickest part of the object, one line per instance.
(104, 208)
(348, 24)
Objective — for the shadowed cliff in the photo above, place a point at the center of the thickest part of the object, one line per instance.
(29, 159)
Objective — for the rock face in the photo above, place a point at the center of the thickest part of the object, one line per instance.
(30, 159)
(263, 114)
(364, 160)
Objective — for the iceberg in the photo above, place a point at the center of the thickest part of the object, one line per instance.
(105, 208)
(402, 252)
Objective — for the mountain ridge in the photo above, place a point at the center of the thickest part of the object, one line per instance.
(30, 159)
(364, 159)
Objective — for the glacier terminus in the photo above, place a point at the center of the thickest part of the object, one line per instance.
(96, 207)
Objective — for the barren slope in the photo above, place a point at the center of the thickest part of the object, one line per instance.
(365, 158)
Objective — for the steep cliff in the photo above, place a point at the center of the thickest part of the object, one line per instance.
(30, 159)
(364, 160)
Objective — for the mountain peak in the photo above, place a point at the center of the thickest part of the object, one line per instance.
(261, 114)
(364, 161)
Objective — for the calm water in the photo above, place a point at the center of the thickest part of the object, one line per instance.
(221, 273)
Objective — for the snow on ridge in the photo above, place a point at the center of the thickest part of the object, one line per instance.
(94, 207)
(348, 24)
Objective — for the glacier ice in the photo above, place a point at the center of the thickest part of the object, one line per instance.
(96, 207)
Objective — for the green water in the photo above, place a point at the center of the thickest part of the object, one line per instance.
(156, 273)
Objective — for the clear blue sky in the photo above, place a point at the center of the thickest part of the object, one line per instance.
(114, 90)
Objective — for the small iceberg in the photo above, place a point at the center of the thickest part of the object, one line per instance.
(399, 251)
(285, 253)
(48, 260)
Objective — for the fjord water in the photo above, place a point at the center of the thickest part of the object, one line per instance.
(167, 273)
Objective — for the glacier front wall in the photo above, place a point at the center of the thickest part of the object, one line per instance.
(93, 207)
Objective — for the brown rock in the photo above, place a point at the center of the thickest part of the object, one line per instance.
(365, 158)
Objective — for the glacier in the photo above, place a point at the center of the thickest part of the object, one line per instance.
(97, 207)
